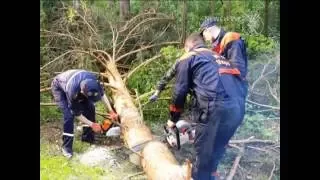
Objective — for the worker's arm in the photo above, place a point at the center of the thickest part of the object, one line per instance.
(75, 108)
(164, 81)
(182, 85)
(106, 102)
(84, 120)
(112, 114)
(236, 54)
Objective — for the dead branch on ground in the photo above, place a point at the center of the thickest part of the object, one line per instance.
(235, 164)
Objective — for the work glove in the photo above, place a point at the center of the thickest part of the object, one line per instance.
(170, 124)
(175, 113)
(155, 96)
(96, 127)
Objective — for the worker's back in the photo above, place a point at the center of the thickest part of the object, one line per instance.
(69, 81)
(204, 74)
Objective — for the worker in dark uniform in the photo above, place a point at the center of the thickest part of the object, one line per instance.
(75, 92)
(232, 47)
(229, 45)
(197, 72)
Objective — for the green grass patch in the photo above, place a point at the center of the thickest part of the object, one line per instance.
(54, 166)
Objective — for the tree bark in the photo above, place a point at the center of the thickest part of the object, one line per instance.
(124, 9)
(184, 22)
(266, 17)
(111, 3)
(156, 159)
(212, 6)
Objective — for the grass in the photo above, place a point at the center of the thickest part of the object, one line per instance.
(54, 166)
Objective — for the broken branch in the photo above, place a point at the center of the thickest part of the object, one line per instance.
(263, 105)
(250, 141)
(271, 174)
(140, 107)
(235, 164)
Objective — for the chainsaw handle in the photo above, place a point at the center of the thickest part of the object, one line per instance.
(178, 137)
(176, 132)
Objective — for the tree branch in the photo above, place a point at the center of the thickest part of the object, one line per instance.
(61, 34)
(235, 164)
(141, 65)
(86, 22)
(57, 58)
(138, 25)
(271, 174)
(140, 107)
(45, 89)
(261, 75)
(48, 104)
(125, 27)
(250, 141)
(143, 48)
(263, 105)
(158, 36)
(271, 92)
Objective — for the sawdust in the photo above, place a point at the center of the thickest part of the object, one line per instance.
(98, 156)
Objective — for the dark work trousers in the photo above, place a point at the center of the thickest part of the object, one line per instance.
(217, 120)
(231, 119)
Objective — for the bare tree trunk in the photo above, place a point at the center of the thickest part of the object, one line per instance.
(229, 8)
(124, 9)
(111, 3)
(184, 22)
(266, 17)
(156, 159)
(212, 6)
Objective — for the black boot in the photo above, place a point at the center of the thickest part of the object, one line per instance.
(67, 146)
(87, 135)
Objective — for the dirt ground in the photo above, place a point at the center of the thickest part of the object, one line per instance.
(258, 163)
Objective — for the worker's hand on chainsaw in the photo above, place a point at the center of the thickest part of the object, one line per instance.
(170, 124)
(113, 116)
(96, 127)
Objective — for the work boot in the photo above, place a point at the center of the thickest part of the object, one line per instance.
(87, 135)
(66, 153)
(67, 146)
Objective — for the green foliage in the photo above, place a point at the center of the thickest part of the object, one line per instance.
(255, 125)
(145, 79)
(257, 44)
(50, 113)
(171, 53)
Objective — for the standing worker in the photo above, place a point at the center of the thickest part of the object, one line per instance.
(75, 92)
(226, 44)
(229, 45)
(197, 72)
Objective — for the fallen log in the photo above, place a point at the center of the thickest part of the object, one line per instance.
(156, 159)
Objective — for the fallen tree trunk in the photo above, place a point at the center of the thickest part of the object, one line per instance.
(156, 159)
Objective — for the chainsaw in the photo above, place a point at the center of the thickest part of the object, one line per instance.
(183, 132)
